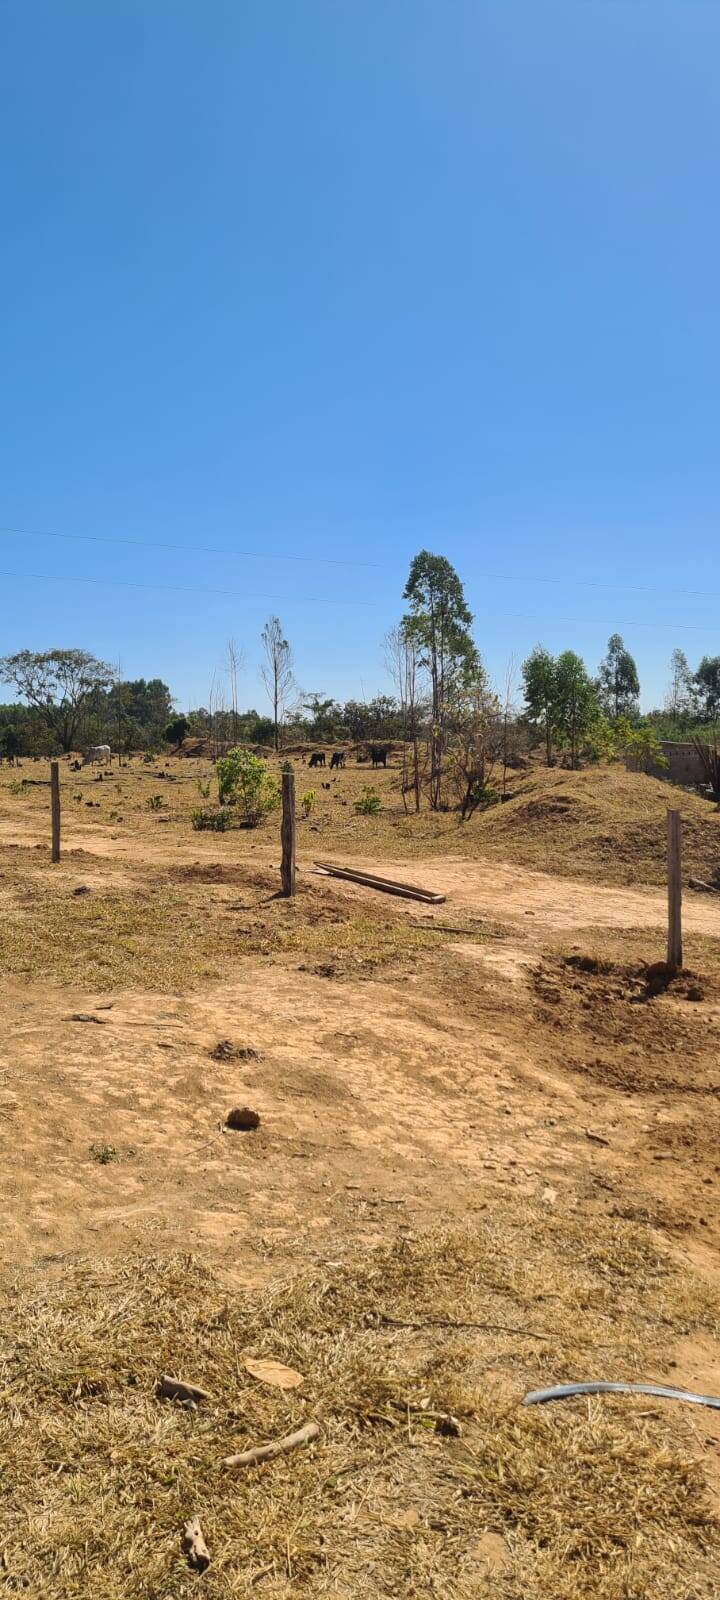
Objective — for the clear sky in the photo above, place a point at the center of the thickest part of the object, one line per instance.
(341, 279)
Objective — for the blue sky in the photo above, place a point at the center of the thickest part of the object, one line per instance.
(338, 281)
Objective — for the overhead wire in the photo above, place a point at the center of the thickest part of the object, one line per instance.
(331, 600)
(564, 581)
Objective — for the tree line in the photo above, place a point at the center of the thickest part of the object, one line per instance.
(456, 729)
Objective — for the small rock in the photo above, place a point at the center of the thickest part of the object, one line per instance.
(242, 1119)
(82, 888)
(695, 992)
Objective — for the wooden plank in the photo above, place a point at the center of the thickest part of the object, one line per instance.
(55, 810)
(368, 880)
(287, 834)
(674, 947)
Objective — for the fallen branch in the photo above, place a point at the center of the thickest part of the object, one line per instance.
(707, 888)
(176, 1389)
(194, 1546)
(368, 880)
(280, 1447)
(444, 1322)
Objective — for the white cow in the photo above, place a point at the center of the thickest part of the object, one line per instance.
(100, 753)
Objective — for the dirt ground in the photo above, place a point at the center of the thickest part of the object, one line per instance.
(492, 1063)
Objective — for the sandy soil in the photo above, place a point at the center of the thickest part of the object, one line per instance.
(437, 1085)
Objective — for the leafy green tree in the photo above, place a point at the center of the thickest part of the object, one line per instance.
(640, 745)
(707, 679)
(177, 730)
(244, 781)
(326, 716)
(438, 624)
(10, 742)
(60, 685)
(618, 681)
(576, 705)
(601, 742)
(539, 674)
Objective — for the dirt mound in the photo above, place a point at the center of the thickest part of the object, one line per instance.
(209, 749)
(599, 822)
(620, 1032)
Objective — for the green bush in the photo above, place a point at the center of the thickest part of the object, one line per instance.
(307, 801)
(244, 781)
(156, 802)
(206, 821)
(640, 744)
(369, 803)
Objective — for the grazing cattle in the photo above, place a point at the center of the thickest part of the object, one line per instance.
(378, 755)
(317, 758)
(338, 758)
(98, 752)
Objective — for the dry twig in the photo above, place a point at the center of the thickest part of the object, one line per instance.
(280, 1447)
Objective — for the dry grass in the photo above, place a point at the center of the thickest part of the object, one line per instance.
(99, 1476)
(178, 929)
(603, 823)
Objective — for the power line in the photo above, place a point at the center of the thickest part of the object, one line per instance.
(338, 561)
(201, 549)
(183, 588)
(325, 600)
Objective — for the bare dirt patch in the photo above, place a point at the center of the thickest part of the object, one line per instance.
(470, 1114)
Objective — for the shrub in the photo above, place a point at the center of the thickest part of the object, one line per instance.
(369, 803)
(177, 730)
(642, 747)
(205, 820)
(156, 802)
(203, 789)
(307, 801)
(244, 781)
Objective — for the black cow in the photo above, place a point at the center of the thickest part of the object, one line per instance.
(378, 755)
(338, 758)
(317, 758)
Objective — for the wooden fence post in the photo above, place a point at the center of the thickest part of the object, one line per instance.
(287, 833)
(674, 947)
(55, 810)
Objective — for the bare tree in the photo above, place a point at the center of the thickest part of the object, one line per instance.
(401, 656)
(234, 659)
(277, 672)
(508, 741)
(709, 752)
(217, 707)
